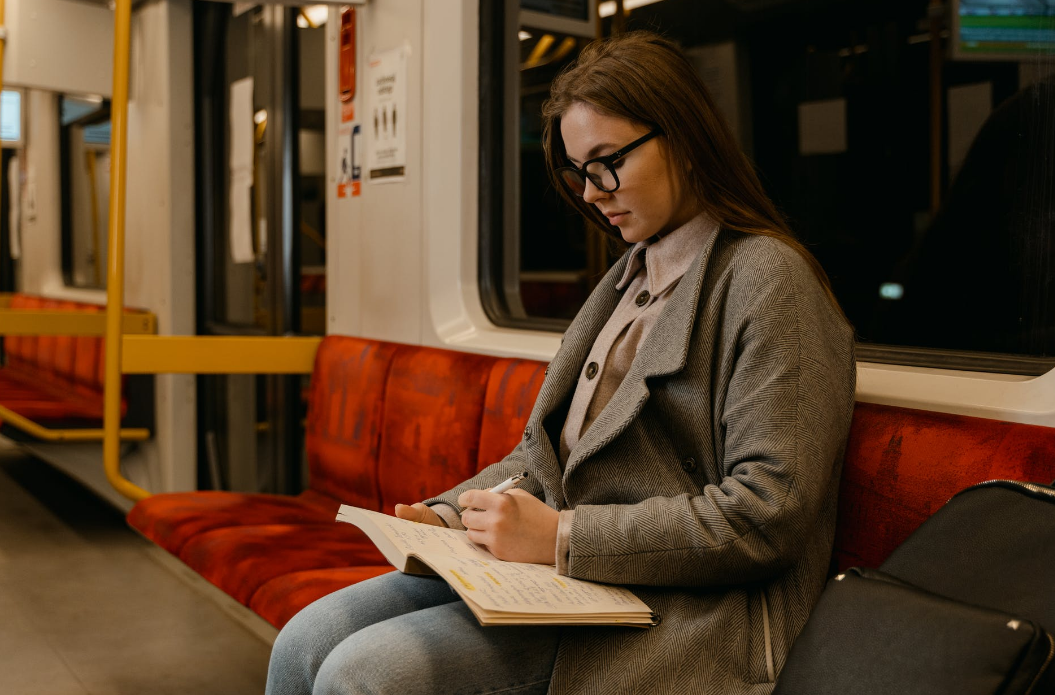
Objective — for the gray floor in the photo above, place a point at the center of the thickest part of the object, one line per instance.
(85, 610)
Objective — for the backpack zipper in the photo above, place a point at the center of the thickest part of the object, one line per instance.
(1044, 667)
(1036, 490)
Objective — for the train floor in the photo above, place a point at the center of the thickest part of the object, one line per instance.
(85, 610)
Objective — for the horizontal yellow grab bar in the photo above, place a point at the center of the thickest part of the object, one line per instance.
(57, 322)
(218, 355)
(10, 417)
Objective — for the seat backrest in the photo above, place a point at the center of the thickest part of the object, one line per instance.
(434, 405)
(511, 392)
(902, 465)
(345, 408)
(21, 350)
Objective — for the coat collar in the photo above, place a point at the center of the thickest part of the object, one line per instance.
(665, 351)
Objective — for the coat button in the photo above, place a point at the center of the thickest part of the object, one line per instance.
(642, 299)
(527, 433)
(591, 370)
(546, 371)
(688, 465)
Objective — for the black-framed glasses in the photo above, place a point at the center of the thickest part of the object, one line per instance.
(600, 170)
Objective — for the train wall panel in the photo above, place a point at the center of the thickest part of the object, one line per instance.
(159, 253)
(376, 254)
(59, 45)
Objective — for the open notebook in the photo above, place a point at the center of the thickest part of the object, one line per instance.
(497, 592)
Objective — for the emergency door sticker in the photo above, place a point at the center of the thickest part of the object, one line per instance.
(349, 167)
(386, 116)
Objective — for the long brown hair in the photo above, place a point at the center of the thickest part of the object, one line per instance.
(645, 78)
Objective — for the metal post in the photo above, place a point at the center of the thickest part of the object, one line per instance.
(116, 257)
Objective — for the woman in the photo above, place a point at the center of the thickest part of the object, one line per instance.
(687, 441)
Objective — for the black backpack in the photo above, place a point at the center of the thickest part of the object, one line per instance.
(966, 605)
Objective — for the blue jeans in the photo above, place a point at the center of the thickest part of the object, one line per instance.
(403, 634)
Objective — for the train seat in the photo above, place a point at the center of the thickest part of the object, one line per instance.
(387, 423)
(55, 380)
(902, 465)
(394, 423)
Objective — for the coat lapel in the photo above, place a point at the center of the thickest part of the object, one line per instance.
(563, 374)
(665, 351)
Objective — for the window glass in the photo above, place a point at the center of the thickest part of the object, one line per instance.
(85, 174)
(913, 152)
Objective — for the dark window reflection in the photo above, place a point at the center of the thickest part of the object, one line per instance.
(935, 226)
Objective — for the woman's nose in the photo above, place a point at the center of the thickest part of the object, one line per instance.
(592, 193)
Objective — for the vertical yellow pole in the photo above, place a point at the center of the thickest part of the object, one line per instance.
(115, 290)
(3, 43)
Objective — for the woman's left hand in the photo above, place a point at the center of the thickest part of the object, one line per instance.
(515, 525)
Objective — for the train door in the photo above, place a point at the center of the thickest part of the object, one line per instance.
(261, 235)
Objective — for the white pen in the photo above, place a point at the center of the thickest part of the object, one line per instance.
(506, 485)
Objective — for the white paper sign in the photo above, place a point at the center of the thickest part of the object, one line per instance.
(822, 127)
(14, 190)
(240, 219)
(386, 118)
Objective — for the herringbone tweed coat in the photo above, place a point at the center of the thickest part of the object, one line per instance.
(708, 483)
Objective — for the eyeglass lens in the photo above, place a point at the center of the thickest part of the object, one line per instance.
(600, 175)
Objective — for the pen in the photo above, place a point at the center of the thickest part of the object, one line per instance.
(506, 485)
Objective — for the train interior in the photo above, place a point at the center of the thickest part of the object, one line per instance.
(210, 209)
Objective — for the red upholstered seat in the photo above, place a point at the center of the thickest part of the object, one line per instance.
(173, 519)
(282, 597)
(54, 379)
(511, 392)
(395, 423)
(902, 465)
(343, 438)
(241, 559)
(434, 406)
(386, 423)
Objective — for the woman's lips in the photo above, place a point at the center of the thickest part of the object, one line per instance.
(615, 218)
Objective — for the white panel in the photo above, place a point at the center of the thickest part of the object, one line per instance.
(159, 252)
(379, 254)
(455, 316)
(59, 45)
(343, 215)
(41, 226)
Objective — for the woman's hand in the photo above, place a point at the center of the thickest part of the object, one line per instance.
(515, 525)
(419, 513)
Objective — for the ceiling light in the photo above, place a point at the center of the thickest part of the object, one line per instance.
(607, 9)
(313, 16)
(524, 35)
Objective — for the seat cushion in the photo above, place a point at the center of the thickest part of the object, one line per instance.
(241, 559)
(902, 465)
(172, 519)
(40, 399)
(283, 597)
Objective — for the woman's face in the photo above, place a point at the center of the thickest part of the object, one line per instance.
(651, 198)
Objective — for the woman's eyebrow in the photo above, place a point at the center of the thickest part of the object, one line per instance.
(594, 151)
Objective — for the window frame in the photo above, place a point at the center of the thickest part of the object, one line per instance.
(499, 190)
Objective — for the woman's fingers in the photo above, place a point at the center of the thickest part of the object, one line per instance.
(419, 513)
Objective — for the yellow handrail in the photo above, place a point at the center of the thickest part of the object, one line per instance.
(58, 322)
(10, 417)
(115, 286)
(173, 354)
